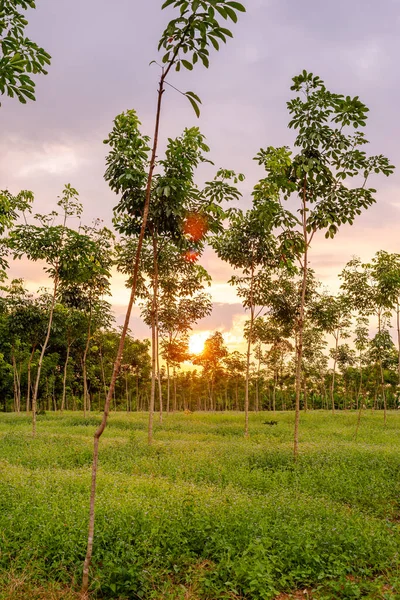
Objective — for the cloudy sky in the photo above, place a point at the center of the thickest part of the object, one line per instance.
(101, 52)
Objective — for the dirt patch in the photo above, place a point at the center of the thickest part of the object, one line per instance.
(297, 595)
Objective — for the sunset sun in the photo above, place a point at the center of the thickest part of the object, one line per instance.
(196, 342)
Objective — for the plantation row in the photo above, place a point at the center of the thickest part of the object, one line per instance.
(59, 350)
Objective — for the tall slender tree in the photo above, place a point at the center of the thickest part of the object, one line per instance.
(185, 41)
(329, 143)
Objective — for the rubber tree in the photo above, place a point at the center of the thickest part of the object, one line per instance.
(20, 57)
(180, 219)
(27, 318)
(235, 363)
(211, 359)
(64, 252)
(248, 244)
(329, 152)
(367, 296)
(86, 294)
(11, 209)
(386, 272)
(175, 199)
(333, 314)
(185, 42)
(181, 301)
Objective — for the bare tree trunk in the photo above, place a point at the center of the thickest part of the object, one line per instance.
(153, 377)
(160, 397)
(84, 371)
(126, 391)
(249, 341)
(64, 393)
(15, 372)
(174, 399)
(154, 348)
(305, 395)
(117, 363)
(334, 373)
(28, 391)
(168, 387)
(299, 345)
(398, 337)
(103, 376)
(258, 384)
(44, 347)
(381, 372)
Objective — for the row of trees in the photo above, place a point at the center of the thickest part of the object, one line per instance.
(165, 219)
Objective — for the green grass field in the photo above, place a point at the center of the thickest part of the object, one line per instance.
(203, 513)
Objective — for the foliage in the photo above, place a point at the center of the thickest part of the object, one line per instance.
(20, 57)
(232, 517)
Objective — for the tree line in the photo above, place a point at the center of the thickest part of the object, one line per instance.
(62, 344)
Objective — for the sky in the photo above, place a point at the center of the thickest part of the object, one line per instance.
(101, 52)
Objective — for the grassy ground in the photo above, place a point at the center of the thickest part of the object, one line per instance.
(203, 513)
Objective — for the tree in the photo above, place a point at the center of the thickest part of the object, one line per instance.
(248, 244)
(20, 57)
(10, 209)
(333, 314)
(236, 365)
(211, 359)
(191, 34)
(363, 285)
(65, 253)
(329, 142)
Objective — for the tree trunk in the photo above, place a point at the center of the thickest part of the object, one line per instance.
(334, 373)
(103, 376)
(398, 338)
(64, 393)
(160, 398)
(117, 363)
(44, 347)
(168, 387)
(381, 373)
(28, 391)
(84, 371)
(154, 350)
(174, 399)
(249, 341)
(126, 391)
(299, 345)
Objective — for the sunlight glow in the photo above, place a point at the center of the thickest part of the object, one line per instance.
(196, 342)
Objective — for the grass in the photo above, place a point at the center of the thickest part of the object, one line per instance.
(203, 513)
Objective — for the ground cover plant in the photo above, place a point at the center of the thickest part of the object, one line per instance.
(204, 512)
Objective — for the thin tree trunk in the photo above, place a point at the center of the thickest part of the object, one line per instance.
(28, 391)
(381, 373)
(249, 341)
(398, 338)
(154, 350)
(334, 373)
(103, 376)
(299, 346)
(174, 399)
(84, 371)
(126, 390)
(168, 387)
(65, 377)
(44, 347)
(160, 397)
(117, 363)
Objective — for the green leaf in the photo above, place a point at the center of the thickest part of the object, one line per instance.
(187, 65)
(194, 96)
(231, 14)
(237, 6)
(167, 3)
(194, 105)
